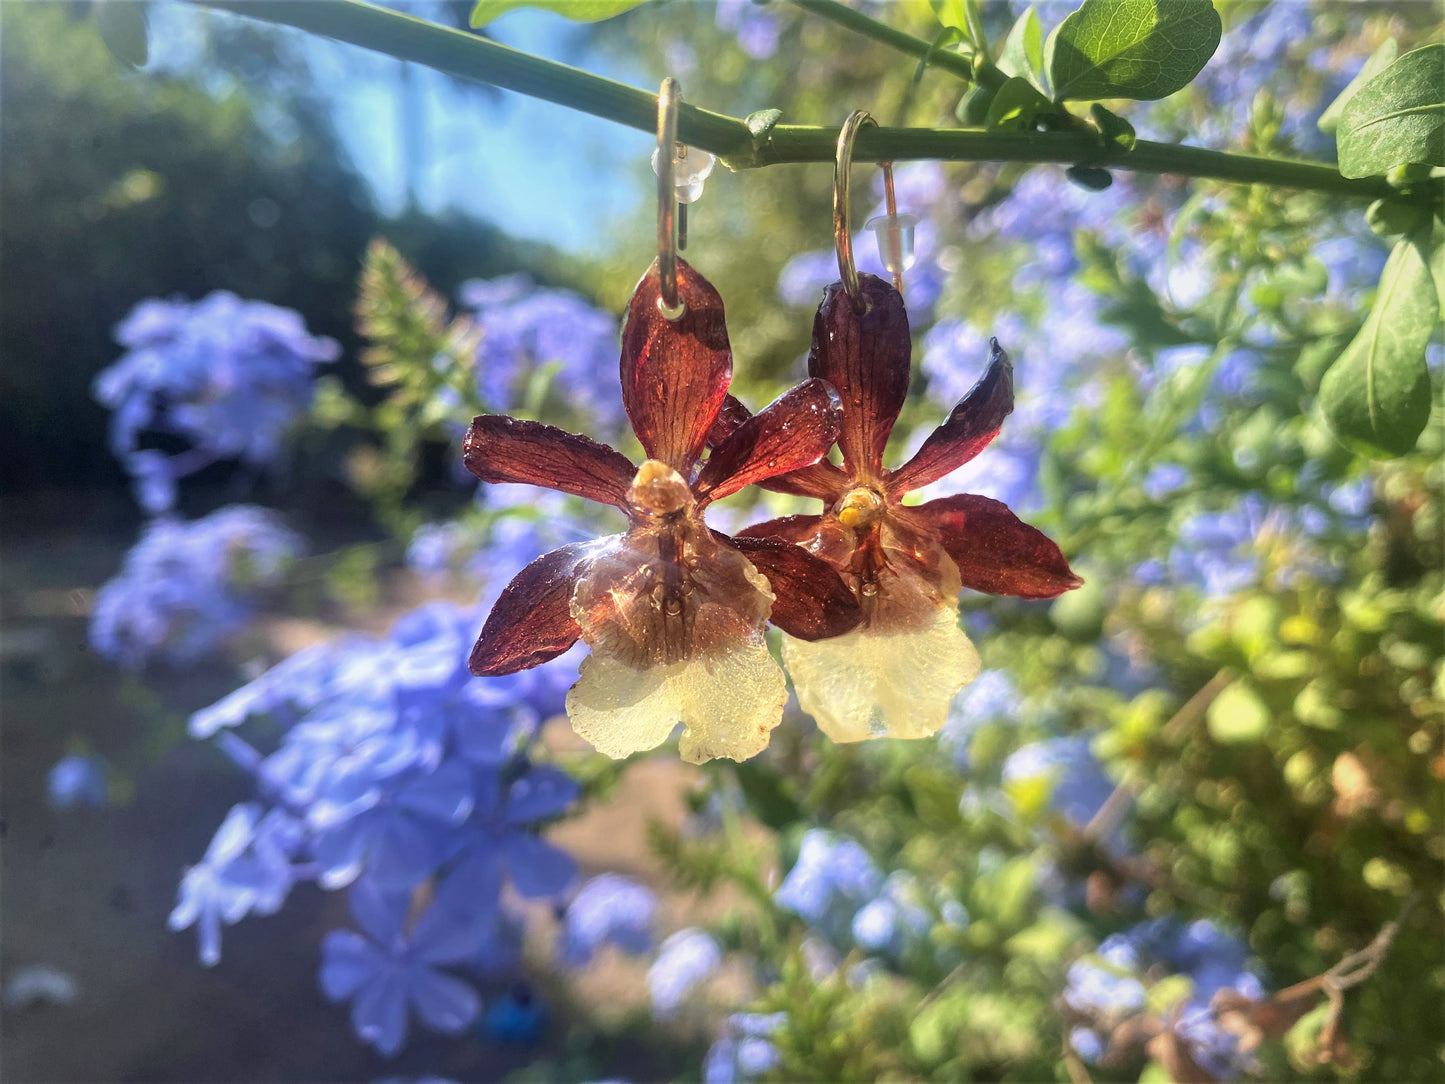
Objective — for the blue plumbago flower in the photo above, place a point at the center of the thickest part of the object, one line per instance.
(393, 770)
(1087, 1044)
(608, 909)
(525, 329)
(894, 921)
(743, 1053)
(246, 869)
(1077, 785)
(394, 967)
(498, 844)
(993, 696)
(686, 960)
(1215, 551)
(832, 878)
(1112, 985)
(433, 549)
(1247, 61)
(297, 684)
(228, 375)
(77, 780)
(755, 27)
(1164, 479)
(518, 1017)
(185, 587)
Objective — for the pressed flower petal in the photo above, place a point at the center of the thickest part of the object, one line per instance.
(865, 357)
(822, 480)
(996, 552)
(883, 683)
(532, 619)
(656, 597)
(729, 703)
(503, 449)
(728, 419)
(675, 373)
(795, 430)
(812, 601)
(968, 429)
(796, 529)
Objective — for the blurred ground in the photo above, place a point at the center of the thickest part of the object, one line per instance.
(88, 891)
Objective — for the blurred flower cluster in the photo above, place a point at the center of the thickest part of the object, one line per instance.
(1211, 771)
(225, 376)
(396, 775)
(185, 587)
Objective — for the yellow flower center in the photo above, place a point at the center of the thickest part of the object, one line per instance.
(859, 507)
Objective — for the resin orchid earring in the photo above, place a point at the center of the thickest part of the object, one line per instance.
(895, 675)
(674, 613)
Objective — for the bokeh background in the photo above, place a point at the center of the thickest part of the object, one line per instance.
(249, 296)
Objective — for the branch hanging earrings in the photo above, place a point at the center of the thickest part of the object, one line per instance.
(673, 612)
(896, 674)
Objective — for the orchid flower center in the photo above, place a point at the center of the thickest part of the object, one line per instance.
(860, 507)
(658, 490)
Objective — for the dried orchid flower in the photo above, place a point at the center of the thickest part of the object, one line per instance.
(673, 612)
(895, 675)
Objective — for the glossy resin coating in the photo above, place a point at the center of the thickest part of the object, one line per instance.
(897, 672)
(674, 613)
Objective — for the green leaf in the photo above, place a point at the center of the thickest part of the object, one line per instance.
(946, 36)
(1140, 49)
(950, 13)
(1395, 218)
(1023, 49)
(579, 11)
(1376, 395)
(1016, 104)
(761, 122)
(1397, 118)
(1436, 249)
(1117, 131)
(123, 26)
(1383, 56)
(1238, 715)
(973, 107)
(766, 797)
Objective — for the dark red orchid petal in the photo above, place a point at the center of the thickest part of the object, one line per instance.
(675, 373)
(795, 430)
(532, 619)
(813, 602)
(732, 415)
(822, 480)
(968, 429)
(996, 552)
(865, 356)
(503, 449)
(792, 529)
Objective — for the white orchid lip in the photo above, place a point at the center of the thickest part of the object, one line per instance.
(876, 683)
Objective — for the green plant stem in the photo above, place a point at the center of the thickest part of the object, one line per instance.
(470, 57)
(957, 63)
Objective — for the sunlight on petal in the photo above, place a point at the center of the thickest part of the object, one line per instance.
(875, 684)
(730, 704)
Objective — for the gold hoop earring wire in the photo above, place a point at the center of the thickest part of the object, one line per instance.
(842, 232)
(668, 100)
